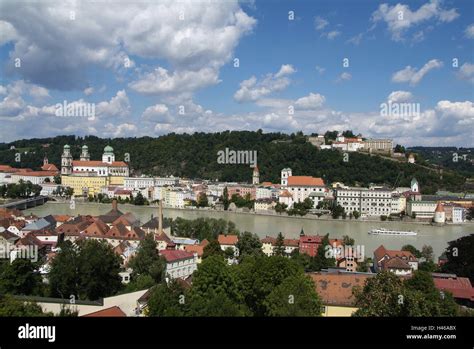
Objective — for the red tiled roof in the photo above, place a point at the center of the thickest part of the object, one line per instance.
(336, 289)
(96, 163)
(286, 193)
(199, 249)
(37, 173)
(175, 255)
(49, 167)
(227, 239)
(460, 287)
(305, 181)
(381, 251)
(315, 239)
(109, 312)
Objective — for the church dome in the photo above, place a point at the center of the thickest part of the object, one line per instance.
(108, 149)
(67, 147)
(85, 147)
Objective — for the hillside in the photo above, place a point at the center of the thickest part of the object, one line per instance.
(195, 156)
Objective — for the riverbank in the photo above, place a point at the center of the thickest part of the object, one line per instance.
(265, 214)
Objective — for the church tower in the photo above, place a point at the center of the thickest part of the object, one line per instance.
(66, 161)
(108, 155)
(256, 176)
(415, 188)
(85, 153)
(285, 173)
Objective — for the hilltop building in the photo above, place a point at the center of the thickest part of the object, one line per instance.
(87, 177)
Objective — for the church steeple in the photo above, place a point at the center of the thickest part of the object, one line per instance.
(256, 176)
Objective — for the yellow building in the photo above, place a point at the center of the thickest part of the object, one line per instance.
(84, 184)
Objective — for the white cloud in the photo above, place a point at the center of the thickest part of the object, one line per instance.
(8, 33)
(345, 76)
(466, 72)
(469, 32)
(412, 75)
(320, 70)
(356, 39)
(118, 106)
(160, 81)
(312, 101)
(106, 34)
(331, 35)
(88, 91)
(320, 23)
(400, 18)
(253, 89)
(400, 96)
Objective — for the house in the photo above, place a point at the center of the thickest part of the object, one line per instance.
(398, 262)
(163, 242)
(335, 289)
(229, 241)
(179, 264)
(309, 244)
(301, 187)
(197, 250)
(269, 243)
(460, 287)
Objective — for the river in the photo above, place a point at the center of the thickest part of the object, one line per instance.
(436, 236)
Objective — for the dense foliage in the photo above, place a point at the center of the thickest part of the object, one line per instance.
(386, 294)
(195, 156)
(88, 270)
(258, 286)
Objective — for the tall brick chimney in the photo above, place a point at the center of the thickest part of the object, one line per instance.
(114, 204)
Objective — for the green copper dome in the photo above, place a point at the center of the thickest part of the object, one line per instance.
(67, 147)
(85, 147)
(108, 149)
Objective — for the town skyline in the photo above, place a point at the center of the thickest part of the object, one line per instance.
(150, 69)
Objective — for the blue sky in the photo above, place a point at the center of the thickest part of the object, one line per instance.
(182, 55)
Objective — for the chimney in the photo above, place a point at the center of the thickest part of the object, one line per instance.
(160, 217)
(114, 204)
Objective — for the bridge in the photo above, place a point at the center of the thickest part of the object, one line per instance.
(26, 203)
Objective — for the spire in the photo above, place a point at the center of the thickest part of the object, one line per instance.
(302, 232)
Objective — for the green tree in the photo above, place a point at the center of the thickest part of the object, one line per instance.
(248, 245)
(258, 276)
(202, 200)
(295, 296)
(225, 198)
(321, 260)
(98, 270)
(64, 275)
(280, 207)
(348, 241)
(88, 270)
(139, 200)
(12, 307)
(213, 248)
(279, 248)
(427, 252)
(147, 260)
(20, 277)
(414, 251)
(460, 257)
(168, 300)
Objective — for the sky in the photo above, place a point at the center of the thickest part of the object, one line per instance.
(155, 67)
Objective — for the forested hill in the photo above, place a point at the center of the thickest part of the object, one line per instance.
(195, 156)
